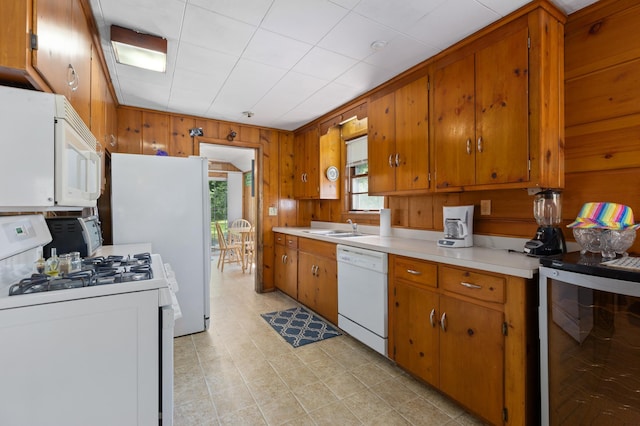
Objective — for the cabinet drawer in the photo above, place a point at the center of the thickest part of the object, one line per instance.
(479, 285)
(286, 240)
(318, 248)
(415, 270)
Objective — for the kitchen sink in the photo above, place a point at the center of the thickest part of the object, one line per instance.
(335, 233)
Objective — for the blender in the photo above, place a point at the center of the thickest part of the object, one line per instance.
(547, 210)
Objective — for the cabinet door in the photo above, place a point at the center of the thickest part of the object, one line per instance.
(312, 162)
(416, 330)
(381, 144)
(502, 114)
(299, 153)
(472, 357)
(286, 270)
(54, 31)
(454, 124)
(327, 288)
(307, 280)
(412, 135)
(79, 92)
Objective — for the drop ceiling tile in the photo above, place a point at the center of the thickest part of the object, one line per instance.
(248, 83)
(249, 11)
(394, 14)
(203, 60)
(364, 75)
(347, 4)
(503, 7)
(216, 32)
(328, 97)
(438, 29)
(148, 16)
(307, 20)
(570, 6)
(401, 53)
(274, 49)
(324, 64)
(353, 36)
(293, 89)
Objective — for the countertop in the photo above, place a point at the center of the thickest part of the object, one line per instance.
(499, 260)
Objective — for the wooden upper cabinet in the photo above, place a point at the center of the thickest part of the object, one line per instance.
(181, 144)
(398, 141)
(498, 109)
(313, 154)
(63, 54)
(155, 133)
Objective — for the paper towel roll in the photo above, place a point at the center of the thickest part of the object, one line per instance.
(385, 222)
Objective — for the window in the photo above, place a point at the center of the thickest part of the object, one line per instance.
(358, 175)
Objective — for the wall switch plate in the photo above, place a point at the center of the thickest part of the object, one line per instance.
(485, 207)
(273, 211)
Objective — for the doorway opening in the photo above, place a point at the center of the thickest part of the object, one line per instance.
(234, 189)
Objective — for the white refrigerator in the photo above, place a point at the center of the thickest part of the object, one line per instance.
(165, 201)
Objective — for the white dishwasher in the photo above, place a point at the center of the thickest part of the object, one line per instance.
(362, 295)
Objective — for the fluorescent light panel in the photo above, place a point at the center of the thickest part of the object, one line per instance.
(138, 49)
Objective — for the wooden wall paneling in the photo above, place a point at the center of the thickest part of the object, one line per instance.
(603, 145)
(155, 132)
(210, 128)
(269, 162)
(180, 143)
(399, 206)
(306, 212)
(602, 38)
(617, 186)
(605, 94)
(249, 134)
(129, 130)
(421, 212)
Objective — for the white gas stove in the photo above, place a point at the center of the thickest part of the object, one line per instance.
(91, 347)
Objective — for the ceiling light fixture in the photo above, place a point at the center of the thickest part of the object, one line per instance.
(378, 45)
(139, 49)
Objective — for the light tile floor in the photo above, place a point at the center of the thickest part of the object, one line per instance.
(241, 372)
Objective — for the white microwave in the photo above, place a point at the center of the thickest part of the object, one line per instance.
(48, 158)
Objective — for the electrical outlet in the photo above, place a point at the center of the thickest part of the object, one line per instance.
(485, 207)
(273, 211)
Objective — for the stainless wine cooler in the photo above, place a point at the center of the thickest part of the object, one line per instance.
(589, 342)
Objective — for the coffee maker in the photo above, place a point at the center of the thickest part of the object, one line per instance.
(548, 241)
(458, 226)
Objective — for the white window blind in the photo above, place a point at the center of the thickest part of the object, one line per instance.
(357, 151)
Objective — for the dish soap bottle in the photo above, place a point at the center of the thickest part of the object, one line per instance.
(40, 263)
(52, 263)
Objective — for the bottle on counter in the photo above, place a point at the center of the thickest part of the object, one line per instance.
(40, 263)
(52, 264)
(76, 261)
(64, 264)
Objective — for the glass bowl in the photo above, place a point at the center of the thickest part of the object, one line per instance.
(609, 242)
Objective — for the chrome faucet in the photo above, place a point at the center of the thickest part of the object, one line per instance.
(353, 225)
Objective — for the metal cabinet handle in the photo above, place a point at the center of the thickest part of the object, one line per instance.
(472, 286)
(390, 160)
(414, 272)
(432, 317)
(282, 259)
(443, 322)
(313, 270)
(397, 159)
(469, 146)
(480, 144)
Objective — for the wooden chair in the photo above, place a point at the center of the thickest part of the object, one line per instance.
(238, 224)
(250, 248)
(229, 252)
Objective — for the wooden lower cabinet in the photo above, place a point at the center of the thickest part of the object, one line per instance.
(469, 333)
(318, 277)
(286, 264)
(472, 356)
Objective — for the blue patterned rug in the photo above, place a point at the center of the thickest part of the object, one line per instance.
(300, 327)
